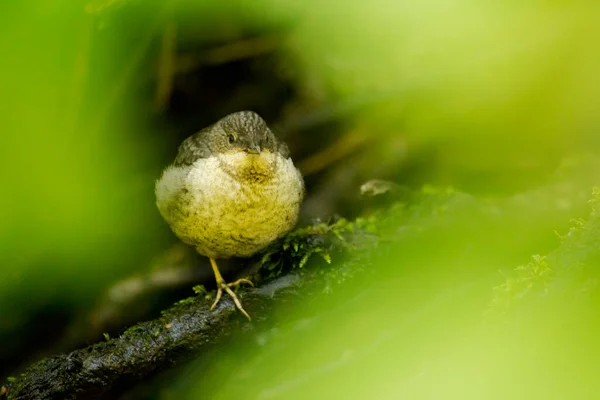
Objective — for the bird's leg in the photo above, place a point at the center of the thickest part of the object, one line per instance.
(222, 285)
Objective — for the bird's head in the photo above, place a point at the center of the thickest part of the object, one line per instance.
(243, 131)
(246, 146)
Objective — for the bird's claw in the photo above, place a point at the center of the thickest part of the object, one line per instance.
(222, 285)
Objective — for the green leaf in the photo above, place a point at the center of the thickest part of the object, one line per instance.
(199, 289)
(304, 260)
(326, 257)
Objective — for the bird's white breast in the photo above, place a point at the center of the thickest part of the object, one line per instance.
(231, 205)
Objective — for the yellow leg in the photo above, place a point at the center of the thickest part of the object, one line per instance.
(222, 285)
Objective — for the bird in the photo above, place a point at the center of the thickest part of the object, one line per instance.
(231, 191)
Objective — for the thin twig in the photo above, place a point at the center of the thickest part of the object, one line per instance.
(242, 49)
(347, 144)
(166, 67)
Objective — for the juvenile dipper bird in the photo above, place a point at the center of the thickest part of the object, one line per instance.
(231, 191)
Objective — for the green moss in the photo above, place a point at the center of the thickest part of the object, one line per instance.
(200, 290)
(595, 201)
(572, 264)
(536, 274)
(321, 239)
(187, 301)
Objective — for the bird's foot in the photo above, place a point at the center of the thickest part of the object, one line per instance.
(224, 286)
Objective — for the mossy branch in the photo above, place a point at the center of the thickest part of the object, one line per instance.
(148, 347)
(184, 330)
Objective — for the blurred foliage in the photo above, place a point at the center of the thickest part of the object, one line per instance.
(497, 100)
(75, 212)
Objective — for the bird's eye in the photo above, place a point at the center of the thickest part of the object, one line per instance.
(231, 138)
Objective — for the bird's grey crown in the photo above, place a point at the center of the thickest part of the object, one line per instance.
(244, 121)
(199, 144)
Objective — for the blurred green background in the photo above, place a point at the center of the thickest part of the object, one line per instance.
(499, 101)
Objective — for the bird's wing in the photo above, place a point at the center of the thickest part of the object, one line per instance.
(282, 148)
(193, 148)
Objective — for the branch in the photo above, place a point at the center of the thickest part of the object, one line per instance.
(180, 333)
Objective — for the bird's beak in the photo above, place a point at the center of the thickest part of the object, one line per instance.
(253, 149)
